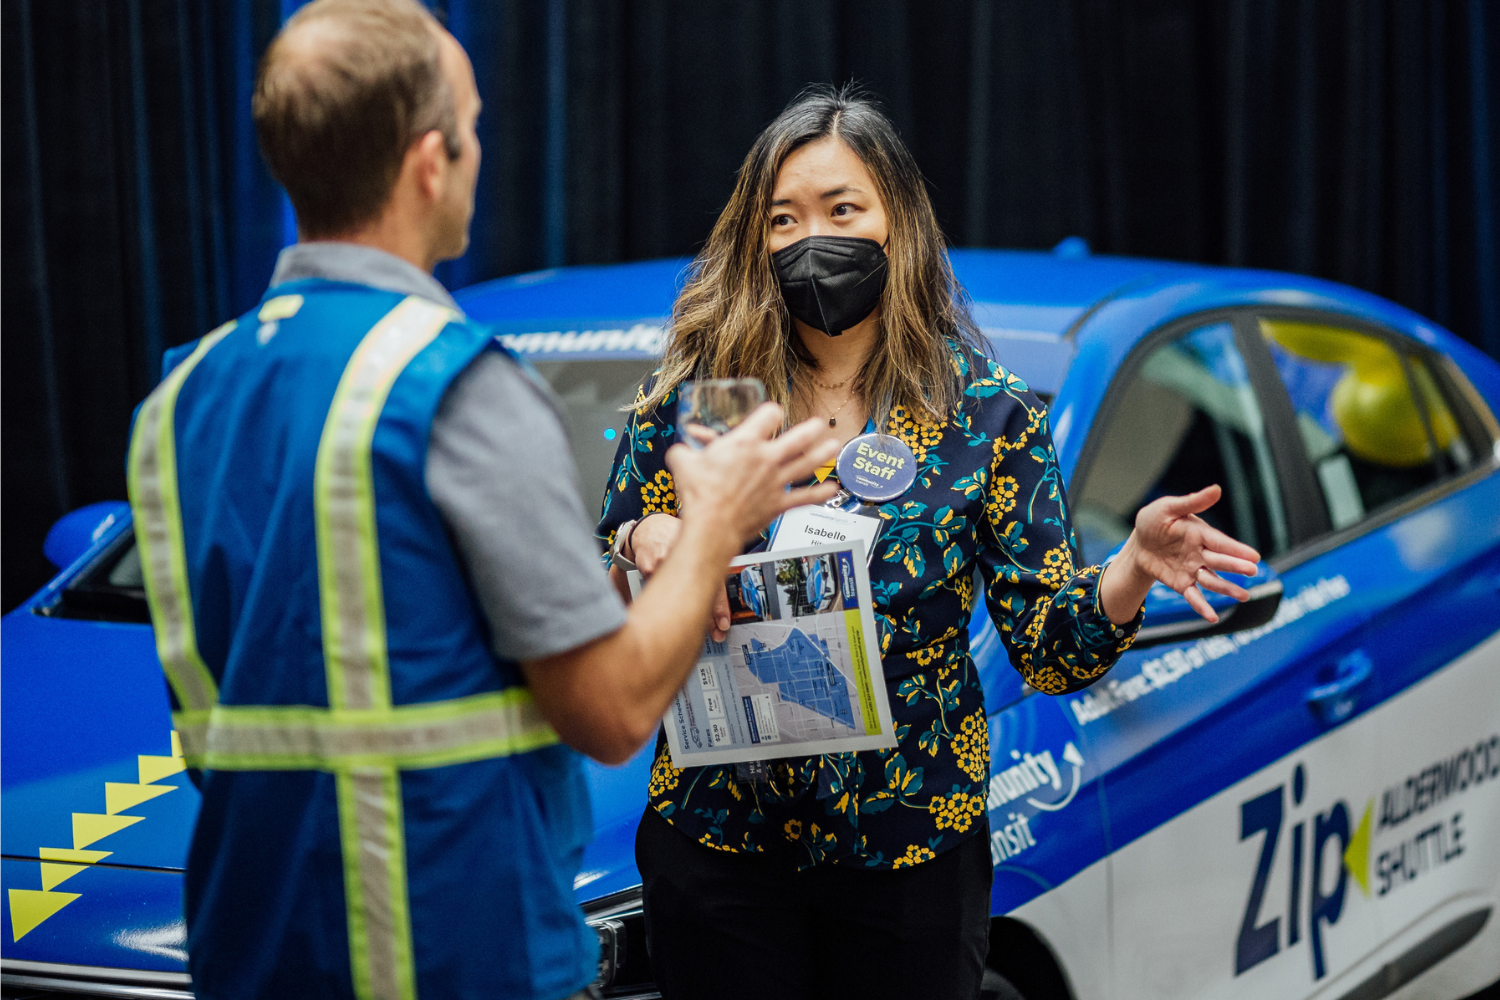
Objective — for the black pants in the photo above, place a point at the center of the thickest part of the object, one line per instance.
(722, 926)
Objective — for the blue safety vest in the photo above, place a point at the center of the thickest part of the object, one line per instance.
(385, 813)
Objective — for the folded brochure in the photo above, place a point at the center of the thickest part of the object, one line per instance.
(799, 673)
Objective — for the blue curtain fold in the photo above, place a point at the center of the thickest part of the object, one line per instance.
(1354, 140)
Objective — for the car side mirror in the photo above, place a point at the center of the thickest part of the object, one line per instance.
(77, 531)
(1169, 617)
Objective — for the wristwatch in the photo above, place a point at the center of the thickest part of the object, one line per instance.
(617, 550)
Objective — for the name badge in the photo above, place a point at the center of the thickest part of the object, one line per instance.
(876, 467)
(818, 525)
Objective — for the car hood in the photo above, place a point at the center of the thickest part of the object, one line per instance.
(98, 808)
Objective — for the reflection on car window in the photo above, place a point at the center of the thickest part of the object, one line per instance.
(593, 394)
(1372, 439)
(127, 572)
(1187, 419)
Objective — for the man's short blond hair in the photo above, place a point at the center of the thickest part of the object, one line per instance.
(342, 92)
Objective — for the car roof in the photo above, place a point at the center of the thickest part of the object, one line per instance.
(1028, 303)
(1023, 301)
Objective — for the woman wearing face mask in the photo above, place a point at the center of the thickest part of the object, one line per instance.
(868, 874)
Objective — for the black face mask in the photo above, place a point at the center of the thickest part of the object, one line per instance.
(831, 282)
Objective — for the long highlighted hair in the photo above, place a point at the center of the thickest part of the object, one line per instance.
(730, 321)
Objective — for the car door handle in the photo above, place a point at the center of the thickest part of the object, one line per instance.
(1183, 623)
(1335, 701)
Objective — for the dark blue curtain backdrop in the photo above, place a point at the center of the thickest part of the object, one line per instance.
(1353, 139)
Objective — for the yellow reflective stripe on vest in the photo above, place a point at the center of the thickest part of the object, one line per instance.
(374, 853)
(362, 738)
(354, 650)
(354, 645)
(152, 482)
(407, 737)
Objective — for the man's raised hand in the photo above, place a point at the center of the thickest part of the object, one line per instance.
(739, 479)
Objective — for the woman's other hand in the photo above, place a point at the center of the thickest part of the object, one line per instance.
(1172, 544)
(652, 539)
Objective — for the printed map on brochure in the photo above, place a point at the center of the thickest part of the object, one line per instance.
(799, 673)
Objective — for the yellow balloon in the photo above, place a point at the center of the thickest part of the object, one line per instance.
(1372, 403)
(1328, 344)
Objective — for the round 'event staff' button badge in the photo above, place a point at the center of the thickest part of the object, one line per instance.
(876, 467)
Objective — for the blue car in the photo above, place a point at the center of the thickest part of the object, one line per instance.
(1302, 800)
(820, 589)
(752, 591)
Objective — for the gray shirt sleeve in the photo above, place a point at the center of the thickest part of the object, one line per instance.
(501, 473)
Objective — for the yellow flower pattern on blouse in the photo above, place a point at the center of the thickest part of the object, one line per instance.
(659, 496)
(957, 811)
(1002, 498)
(971, 745)
(916, 431)
(664, 776)
(988, 498)
(1057, 566)
(914, 856)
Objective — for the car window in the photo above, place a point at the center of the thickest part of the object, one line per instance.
(1375, 425)
(1187, 418)
(593, 394)
(110, 588)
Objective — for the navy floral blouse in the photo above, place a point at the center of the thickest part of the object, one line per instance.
(988, 496)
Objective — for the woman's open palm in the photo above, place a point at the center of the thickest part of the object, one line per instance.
(1180, 549)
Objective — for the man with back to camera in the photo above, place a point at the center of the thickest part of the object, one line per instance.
(373, 585)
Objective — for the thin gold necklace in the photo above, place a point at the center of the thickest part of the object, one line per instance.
(832, 422)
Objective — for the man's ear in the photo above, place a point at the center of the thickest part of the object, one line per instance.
(428, 157)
